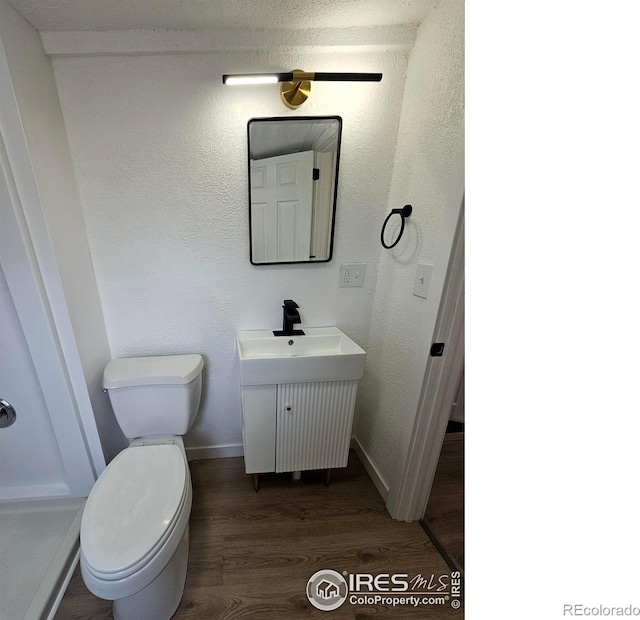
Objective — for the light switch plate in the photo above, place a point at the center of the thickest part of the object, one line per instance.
(352, 275)
(423, 279)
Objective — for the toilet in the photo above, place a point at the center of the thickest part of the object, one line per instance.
(134, 535)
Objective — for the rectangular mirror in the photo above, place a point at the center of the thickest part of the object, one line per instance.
(293, 184)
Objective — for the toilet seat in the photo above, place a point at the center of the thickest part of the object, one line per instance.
(134, 509)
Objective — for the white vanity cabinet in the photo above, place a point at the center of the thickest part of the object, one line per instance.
(297, 426)
(298, 399)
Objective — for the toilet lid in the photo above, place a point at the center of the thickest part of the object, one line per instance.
(133, 507)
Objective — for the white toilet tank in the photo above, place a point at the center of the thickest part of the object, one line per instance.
(157, 395)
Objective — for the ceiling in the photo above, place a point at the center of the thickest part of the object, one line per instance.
(48, 15)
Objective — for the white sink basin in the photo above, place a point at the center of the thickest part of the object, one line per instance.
(322, 354)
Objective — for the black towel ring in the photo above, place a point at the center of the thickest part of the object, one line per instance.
(403, 213)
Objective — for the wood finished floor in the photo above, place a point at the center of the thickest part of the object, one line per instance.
(445, 512)
(251, 554)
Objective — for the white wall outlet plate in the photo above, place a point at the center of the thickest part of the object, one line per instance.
(423, 279)
(352, 275)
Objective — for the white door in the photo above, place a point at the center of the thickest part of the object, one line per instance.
(43, 453)
(281, 213)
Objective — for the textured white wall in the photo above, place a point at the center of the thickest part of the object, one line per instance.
(432, 115)
(159, 148)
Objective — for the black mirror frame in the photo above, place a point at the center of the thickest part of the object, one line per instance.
(335, 189)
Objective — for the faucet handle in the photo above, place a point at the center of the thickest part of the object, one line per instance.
(290, 317)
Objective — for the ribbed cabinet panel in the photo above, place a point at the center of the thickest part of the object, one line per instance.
(314, 423)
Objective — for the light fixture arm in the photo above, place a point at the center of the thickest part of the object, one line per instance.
(346, 77)
(296, 84)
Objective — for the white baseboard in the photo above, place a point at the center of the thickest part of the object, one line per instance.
(372, 470)
(214, 452)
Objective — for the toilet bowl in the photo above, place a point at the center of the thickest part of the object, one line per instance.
(134, 535)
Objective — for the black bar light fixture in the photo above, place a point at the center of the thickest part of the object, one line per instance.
(296, 84)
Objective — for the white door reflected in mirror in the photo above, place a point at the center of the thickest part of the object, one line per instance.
(281, 196)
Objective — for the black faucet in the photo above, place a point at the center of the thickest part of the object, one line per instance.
(290, 316)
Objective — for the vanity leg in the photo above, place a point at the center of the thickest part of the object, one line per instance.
(328, 478)
(256, 482)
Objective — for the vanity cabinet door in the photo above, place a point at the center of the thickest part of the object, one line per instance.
(259, 428)
(314, 423)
